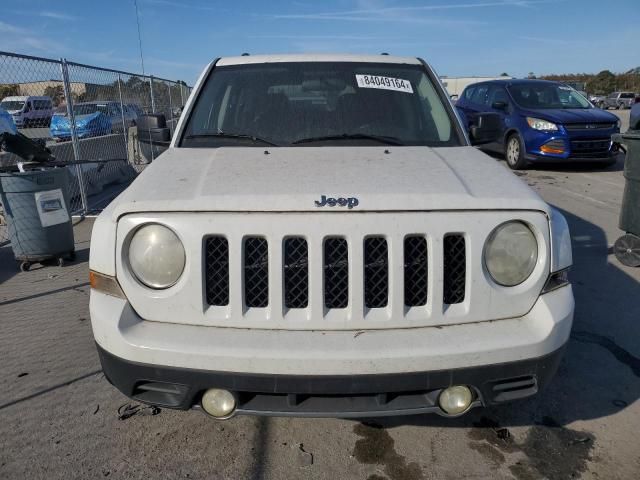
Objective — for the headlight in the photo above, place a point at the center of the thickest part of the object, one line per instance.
(539, 124)
(156, 256)
(511, 253)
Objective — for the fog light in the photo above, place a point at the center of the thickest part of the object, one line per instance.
(218, 403)
(552, 149)
(455, 400)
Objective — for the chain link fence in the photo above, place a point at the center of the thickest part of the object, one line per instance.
(86, 116)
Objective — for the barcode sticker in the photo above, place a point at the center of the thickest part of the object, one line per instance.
(384, 83)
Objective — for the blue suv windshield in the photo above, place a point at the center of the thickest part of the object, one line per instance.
(547, 96)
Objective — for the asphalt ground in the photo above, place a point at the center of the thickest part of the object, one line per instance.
(59, 416)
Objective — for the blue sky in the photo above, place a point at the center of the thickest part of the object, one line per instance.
(458, 37)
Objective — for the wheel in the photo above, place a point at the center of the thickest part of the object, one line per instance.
(627, 250)
(25, 266)
(60, 261)
(514, 152)
(621, 106)
(601, 106)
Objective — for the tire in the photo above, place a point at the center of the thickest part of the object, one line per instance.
(627, 250)
(621, 106)
(25, 266)
(514, 152)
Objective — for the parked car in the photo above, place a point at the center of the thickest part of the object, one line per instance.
(542, 121)
(352, 256)
(620, 100)
(135, 109)
(91, 120)
(29, 111)
(598, 100)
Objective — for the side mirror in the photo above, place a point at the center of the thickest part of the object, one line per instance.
(153, 129)
(499, 105)
(486, 129)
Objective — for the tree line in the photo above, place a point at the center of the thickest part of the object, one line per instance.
(602, 83)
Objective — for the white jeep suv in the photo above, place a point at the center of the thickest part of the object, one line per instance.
(321, 239)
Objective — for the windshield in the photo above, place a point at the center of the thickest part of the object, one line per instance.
(11, 105)
(89, 108)
(318, 104)
(547, 96)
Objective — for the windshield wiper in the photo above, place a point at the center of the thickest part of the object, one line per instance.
(231, 135)
(352, 136)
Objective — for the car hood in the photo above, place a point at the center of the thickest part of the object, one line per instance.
(572, 115)
(292, 179)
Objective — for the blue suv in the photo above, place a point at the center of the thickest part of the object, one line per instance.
(542, 121)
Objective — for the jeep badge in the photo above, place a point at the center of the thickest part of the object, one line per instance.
(340, 202)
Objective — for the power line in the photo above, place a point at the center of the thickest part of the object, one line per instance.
(135, 2)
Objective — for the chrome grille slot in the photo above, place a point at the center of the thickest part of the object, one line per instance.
(455, 269)
(217, 271)
(296, 272)
(336, 273)
(416, 273)
(256, 272)
(376, 272)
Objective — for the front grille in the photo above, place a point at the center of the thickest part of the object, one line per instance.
(217, 271)
(589, 126)
(416, 273)
(590, 148)
(336, 273)
(256, 272)
(296, 272)
(455, 269)
(376, 272)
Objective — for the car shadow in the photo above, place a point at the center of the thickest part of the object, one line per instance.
(584, 167)
(600, 372)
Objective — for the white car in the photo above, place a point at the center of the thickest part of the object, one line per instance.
(322, 239)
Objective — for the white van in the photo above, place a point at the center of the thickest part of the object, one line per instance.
(28, 111)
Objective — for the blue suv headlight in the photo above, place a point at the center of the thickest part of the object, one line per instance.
(543, 125)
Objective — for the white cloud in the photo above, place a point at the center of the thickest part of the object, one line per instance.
(57, 16)
(377, 11)
(18, 38)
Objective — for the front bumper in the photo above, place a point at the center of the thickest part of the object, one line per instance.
(344, 396)
(330, 373)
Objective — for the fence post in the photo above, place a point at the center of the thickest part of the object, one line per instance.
(74, 136)
(170, 105)
(153, 101)
(181, 97)
(124, 123)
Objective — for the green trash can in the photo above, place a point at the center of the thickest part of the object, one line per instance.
(627, 247)
(36, 207)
